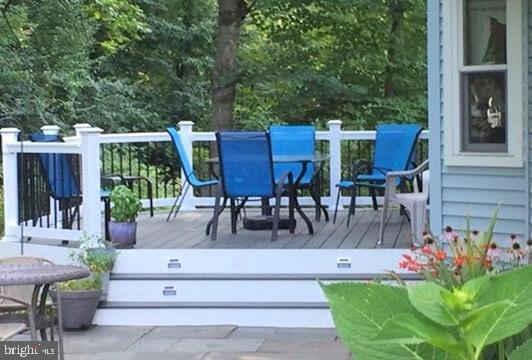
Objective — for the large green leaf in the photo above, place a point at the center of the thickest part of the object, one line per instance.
(411, 329)
(478, 328)
(360, 311)
(523, 352)
(511, 295)
(427, 299)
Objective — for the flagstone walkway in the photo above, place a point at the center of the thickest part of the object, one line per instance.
(203, 343)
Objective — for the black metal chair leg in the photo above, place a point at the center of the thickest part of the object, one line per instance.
(233, 215)
(216, 214)
(352, 204)
(211, 221)
(374, 199)
(150, 195)
(336, 207)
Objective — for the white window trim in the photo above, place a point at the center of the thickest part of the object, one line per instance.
(452, 58)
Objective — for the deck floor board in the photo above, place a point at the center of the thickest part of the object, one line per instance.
(187, 231)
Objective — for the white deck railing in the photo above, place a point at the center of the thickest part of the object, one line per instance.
(88, 141)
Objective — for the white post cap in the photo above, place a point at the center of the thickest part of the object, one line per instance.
(50, 129)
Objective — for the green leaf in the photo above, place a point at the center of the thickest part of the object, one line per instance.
(513, 288)
(411, 329)
(523, 352)
(427, 299)
(479, 328)
(476, 286)
(359, 312)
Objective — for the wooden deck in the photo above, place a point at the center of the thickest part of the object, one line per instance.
(187, 231)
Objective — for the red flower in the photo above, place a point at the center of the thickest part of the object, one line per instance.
(426, 250)
(459, 260)
(440, 255)
(410, 264)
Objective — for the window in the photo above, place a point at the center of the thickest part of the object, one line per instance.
(483, 107)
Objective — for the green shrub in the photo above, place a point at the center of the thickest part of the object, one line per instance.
(126, 204)
(429, 321)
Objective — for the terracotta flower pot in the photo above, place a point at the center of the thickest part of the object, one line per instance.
(124, 234)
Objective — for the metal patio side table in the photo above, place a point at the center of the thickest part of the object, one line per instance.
(41, 277)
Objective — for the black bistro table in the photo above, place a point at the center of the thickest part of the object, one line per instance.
(317, 159)
(41, 277)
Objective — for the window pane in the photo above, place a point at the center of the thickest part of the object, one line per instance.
(485, 32)
(484, 124)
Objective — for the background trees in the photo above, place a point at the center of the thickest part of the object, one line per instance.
(141, 64)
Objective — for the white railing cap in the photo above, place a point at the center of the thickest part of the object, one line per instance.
(186, 123)
(90, 130)
(9, 131)
(82, 126)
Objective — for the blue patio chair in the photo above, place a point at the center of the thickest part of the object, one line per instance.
(190, 175)
(394, 151)
(246, 170)
(298, 140)
(63, 184)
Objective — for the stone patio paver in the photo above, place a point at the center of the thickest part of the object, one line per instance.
(217, 345)
(191, 332)
(252, 333)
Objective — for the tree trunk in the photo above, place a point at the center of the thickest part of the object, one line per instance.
(396, 10)
(225, 72)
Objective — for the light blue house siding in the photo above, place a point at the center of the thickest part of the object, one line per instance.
(457, 191)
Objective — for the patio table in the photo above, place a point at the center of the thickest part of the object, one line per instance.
(317, 159)
(41, 277)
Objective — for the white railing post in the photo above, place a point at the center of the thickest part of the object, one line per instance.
(78, 127)
(11, 190)
(185, 130)
(90, 180)
(335, 148)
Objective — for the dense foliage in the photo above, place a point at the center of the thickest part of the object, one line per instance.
(142, 64)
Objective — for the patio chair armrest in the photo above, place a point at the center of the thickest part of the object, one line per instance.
(409, 173)
(392, 177)
(112, 178)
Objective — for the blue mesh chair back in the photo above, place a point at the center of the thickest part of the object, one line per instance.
(246, 164)
(293, 140)
(183, 159)
(395, 147)
(58, 171)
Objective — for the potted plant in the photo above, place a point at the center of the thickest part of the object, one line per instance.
(79, 300)
(99, 256)
(126, 207)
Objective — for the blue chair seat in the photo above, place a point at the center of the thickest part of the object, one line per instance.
(377, 177)
(346, 184)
